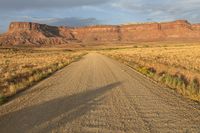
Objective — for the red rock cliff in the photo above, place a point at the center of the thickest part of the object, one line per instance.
(97, 33)
(22, 26)
(34, 33)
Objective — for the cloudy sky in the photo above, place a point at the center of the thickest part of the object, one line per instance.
(90, 12)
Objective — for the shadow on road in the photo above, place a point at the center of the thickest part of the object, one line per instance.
(56, 112)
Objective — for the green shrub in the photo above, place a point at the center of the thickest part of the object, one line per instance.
(174, 81)
(2, 99)
(193, 86)
(147, 71)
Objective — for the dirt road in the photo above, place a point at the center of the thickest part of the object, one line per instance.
(98, 94)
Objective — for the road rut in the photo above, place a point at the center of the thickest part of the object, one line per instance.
(99, 95)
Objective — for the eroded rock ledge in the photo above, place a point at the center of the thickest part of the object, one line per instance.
(40, 34)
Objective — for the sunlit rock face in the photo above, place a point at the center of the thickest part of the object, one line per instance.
(41, 34)
(35, 34)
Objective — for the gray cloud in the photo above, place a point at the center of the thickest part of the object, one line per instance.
(40, 4)
(163, 10)
(69, 21)
(67, 12)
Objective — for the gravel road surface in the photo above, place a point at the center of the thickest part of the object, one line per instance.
(99, 95)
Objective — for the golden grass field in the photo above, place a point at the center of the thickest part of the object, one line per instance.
(21, 68)
(176, 66)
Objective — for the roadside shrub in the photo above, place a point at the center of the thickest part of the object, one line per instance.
(147, 71)
(193, 86)
(174, 81)
(167, 79)
(180, 83)
(2, 99)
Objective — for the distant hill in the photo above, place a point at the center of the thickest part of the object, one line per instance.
(40, 34)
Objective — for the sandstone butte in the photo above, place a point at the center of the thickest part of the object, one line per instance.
(41, 34)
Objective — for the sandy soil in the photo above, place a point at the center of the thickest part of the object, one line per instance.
(99, 95)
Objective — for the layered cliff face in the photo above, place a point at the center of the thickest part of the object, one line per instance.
(40, 34)
(34, 34)
(97, 34)
(177, 30)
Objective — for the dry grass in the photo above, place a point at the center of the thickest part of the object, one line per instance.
(21, 68)
(176, 66)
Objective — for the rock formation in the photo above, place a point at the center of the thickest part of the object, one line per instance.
(34, 34)
(41, 34)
